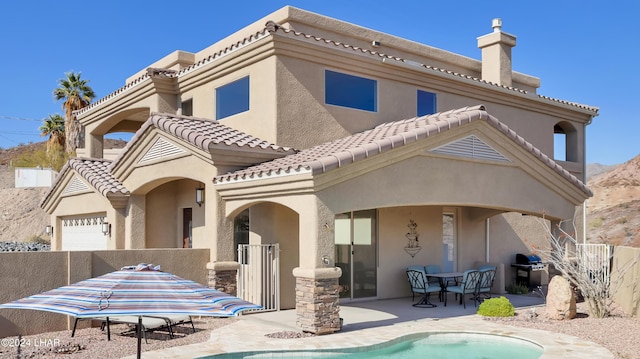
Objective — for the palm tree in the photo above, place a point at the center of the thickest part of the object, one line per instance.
(76, 94)
(54, 128)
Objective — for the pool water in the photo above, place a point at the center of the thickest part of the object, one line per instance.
(432, 346)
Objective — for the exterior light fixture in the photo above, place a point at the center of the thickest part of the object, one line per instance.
(48, 230)
(106, 228)
(199, 196)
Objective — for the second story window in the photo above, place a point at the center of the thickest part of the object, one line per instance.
(232, 98)
(426, 103)
(350, 91)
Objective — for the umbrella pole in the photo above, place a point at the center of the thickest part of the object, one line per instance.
(108, 330)
(139, 333)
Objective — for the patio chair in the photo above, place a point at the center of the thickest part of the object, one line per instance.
(420, 285)
(468, 285)
(413, 267)
(432, 269)
(442, 282)
(487, 275)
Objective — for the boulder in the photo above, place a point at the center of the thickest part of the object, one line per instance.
(561, 301)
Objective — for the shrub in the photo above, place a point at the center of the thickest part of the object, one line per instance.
(38, 239)
(496, 307)
(517, 288)
(39, 157)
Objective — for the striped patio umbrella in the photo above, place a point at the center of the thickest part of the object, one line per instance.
(137, 290)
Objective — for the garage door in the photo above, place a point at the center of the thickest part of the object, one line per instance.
(83, 233)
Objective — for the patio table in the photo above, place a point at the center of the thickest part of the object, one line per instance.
(441, 279)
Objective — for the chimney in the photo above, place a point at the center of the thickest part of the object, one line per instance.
(496, 54)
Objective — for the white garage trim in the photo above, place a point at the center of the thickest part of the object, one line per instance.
(83, 233)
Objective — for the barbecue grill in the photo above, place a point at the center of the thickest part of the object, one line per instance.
(529, 268)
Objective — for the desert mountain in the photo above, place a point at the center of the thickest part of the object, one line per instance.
(613, 213)
(21, 218)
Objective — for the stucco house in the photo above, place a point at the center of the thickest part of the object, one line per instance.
(326, 139)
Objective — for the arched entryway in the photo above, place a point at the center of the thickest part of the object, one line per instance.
(262, 224)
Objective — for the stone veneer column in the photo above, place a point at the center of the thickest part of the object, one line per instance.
(317, 307)
(223, 276)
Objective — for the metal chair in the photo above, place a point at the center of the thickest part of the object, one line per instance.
(419, 284)
(418, 268)
(486, 282)
(468, 285)
(442, 282)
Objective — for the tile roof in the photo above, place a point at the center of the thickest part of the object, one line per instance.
(205, 134)
(271, 28)
(331, 155)
(96, 172)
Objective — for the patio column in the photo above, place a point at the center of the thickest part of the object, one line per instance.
(93, 144)
(222, 276)
(135, 236)
(317, 307)
(222, 269)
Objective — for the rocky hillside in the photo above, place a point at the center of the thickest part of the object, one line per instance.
(21, 218)
(613, 213)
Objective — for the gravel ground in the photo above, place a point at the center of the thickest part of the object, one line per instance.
(617, 333)
(92, 342)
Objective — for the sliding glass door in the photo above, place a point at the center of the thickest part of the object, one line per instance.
(356, 253)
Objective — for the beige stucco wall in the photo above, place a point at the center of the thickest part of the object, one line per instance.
(625, 279)
(393, 260)
(261, 118)
(272, 223)
(301, 96)
(448, 182)
(164, 219)
(162, 188)
(28, 273)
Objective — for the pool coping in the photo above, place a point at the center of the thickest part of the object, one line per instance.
(248, 335)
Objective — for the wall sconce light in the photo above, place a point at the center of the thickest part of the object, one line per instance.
(199, 196)
(48, 230)
(106, 228)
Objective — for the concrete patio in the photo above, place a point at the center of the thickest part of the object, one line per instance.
(374, 322)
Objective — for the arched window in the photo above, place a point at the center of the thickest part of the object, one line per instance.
(565, 142)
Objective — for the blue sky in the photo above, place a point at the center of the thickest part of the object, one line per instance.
(583, 51)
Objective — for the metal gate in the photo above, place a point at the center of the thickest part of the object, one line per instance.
(259, 275)
(596, 260)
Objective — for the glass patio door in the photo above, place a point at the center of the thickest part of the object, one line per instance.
(356, 254)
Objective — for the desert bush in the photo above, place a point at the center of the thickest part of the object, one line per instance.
(582, 271)
(39, 157)
(496, 307)
(39, 239)
(596, 223)
(517, 288)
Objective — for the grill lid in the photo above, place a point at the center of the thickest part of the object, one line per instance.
(527, 259)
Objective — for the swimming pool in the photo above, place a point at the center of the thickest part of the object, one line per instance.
(429, 345)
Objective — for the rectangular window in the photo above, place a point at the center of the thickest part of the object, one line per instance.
(232, 98)
(187, 107)
(350, 91)
(426, 103)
